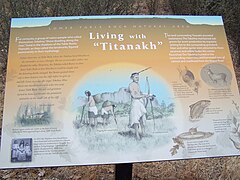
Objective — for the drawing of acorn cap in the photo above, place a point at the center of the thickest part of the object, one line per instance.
(186, 75)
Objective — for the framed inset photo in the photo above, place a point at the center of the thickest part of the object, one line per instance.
(21, 150)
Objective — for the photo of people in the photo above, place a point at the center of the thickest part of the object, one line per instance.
(21, 150)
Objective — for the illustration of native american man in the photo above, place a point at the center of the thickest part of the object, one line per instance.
(138, 110)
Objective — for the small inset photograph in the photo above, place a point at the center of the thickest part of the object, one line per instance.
(21, 150)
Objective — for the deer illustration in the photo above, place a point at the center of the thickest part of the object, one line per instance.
(216, 77)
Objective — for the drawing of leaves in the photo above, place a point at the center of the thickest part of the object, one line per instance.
(175, 140)
(174, 150)
(176, 146)
(182, 144)
(179, 142)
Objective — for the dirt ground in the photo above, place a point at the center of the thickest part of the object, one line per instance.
(207, 168)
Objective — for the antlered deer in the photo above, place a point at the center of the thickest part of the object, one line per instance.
(216, 77)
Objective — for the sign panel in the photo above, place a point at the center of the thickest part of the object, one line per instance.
(117, 89)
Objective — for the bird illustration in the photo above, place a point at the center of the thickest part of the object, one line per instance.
(236, 144)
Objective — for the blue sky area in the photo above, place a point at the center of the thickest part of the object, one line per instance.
(112, 81)
(44, 21)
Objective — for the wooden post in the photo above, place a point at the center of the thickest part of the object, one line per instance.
(123, 171)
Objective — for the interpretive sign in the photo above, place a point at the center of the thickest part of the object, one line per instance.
(118, 89)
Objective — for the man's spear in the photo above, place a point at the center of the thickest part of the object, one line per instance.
(143, 70)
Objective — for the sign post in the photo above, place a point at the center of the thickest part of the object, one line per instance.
(123, 171)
